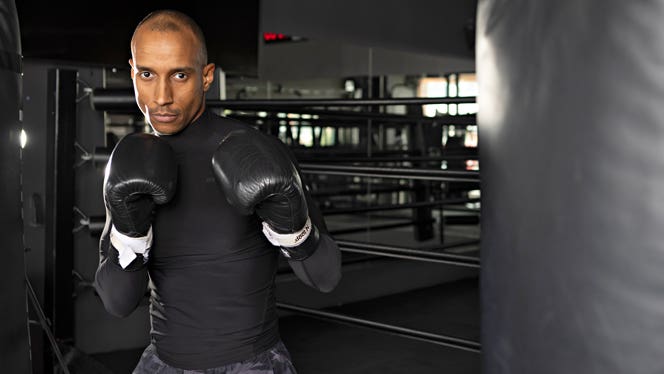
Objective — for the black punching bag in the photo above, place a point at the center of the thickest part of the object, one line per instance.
(14, 352)
(571, 121)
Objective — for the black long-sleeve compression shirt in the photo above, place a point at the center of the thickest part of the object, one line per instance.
(211, 271)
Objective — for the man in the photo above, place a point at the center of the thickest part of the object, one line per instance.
(202, 209)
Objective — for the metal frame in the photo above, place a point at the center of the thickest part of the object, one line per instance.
(374, 208)
(437, 255)
(123, 99)
(392, 172)
(59, 257)
(444, 340)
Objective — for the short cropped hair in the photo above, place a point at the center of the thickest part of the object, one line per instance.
(173, 20)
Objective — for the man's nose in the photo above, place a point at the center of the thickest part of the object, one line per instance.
(164, 94)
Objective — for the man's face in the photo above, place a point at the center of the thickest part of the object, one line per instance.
(170, 81)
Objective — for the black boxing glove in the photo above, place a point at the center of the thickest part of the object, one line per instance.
(141, 172)
(257, 175)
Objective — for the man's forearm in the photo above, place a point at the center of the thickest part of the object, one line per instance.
(120, 290)
(322, 269)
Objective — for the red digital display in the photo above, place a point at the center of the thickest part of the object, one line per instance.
(273, 37)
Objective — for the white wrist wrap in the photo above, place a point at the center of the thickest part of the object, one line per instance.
(287, 240)
(128, 247)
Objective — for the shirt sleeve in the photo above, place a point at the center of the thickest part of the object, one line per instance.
(322, 269)
(120, 289)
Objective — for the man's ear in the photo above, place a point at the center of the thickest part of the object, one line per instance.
(131, 69)
(208, 76)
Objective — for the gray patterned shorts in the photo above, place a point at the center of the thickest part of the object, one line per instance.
(275, 360)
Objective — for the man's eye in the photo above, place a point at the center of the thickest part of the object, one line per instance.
(180, 76)
(146, 74)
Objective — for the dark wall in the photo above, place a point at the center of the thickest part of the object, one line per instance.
(435, 27)
(73, 31)
(313, 59)
(370, 37)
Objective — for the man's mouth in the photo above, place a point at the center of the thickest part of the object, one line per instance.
(163, 117)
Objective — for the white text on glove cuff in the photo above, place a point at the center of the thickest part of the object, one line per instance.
(287, 240)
